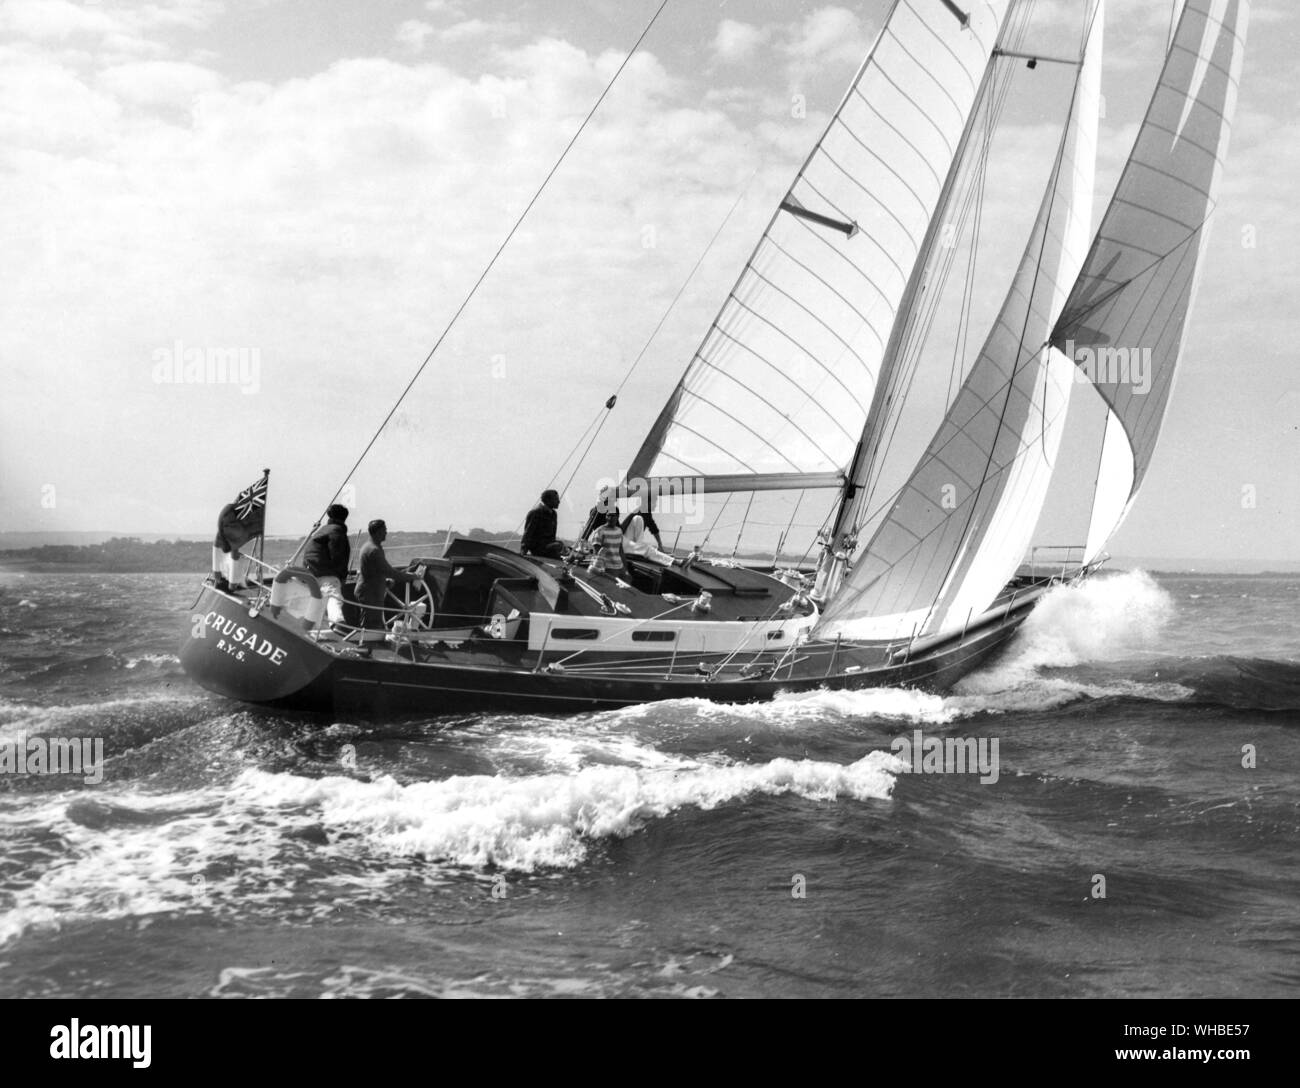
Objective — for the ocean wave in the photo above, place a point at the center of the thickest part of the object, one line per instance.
(1236, 683)
(241, 847)
(97, 664)
(1100, 619)
(18, 720)
(548, 820)
(151, 659)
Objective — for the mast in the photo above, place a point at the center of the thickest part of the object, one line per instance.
(777, 393)
(935, 560)
(867, 449)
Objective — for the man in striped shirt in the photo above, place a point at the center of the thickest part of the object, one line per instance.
(609, 539)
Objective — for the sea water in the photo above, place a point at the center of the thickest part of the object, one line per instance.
(1139, 837)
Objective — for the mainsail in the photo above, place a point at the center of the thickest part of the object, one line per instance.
(777, 394)
(958, 528)
(1125, 319)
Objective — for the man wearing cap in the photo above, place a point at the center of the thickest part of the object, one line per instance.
(327, 557)
(539, 528)
(375, 572)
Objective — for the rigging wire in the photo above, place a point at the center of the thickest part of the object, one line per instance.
(1029, 356)
(495, 256)
(923, 320)
(603, 415)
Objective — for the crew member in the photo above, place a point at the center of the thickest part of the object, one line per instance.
(232, 534)
(539, 528)
(327, 557)
(636, 541)
(375, 572)
(648, 522)
(609, 539)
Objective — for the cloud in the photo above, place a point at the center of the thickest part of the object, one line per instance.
(827, 35)
(736, 41)
(413, 33)
(332, 219)
(332, 223)
(45, 20)
(478, 28)
(159, 83)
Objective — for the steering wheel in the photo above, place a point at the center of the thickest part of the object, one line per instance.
(417, 618)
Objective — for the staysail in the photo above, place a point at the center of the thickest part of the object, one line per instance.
(1124, 322)
(958, 528)
(777, 393)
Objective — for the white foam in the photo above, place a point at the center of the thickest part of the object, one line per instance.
(1104, 619)
(1100, 619)
(547, 820)
(799, 709)
(570, 744)
(152, 659)
(234, 848)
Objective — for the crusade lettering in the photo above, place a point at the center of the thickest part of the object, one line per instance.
(236, 637)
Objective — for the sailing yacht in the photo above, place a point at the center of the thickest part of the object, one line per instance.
(800, 387)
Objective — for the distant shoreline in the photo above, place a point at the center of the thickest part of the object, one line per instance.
(132, 555)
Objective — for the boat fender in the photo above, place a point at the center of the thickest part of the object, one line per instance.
(297, 593)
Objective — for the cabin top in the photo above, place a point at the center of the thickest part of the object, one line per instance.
(472, 574)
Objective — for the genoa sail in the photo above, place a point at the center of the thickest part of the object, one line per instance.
(957, 529)
(1124, 323)
(1110, 498)
(778, 391)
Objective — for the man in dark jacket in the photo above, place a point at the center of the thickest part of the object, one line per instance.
(375, 574)
(327, 557)
(539, 528)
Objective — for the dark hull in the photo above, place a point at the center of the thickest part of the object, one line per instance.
(298, 674)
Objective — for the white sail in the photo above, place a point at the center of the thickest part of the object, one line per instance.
(1126, 316)
(959, 527)
(1114, 486)
(781, 385)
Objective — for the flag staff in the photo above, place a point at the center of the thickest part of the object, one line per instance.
(261, 540)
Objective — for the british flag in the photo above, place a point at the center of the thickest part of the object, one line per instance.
(250, 507)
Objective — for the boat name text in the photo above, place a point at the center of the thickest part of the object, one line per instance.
(239, 641)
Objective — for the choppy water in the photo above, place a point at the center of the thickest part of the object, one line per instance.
(656, 851)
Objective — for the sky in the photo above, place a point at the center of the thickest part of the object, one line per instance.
(308, 189)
